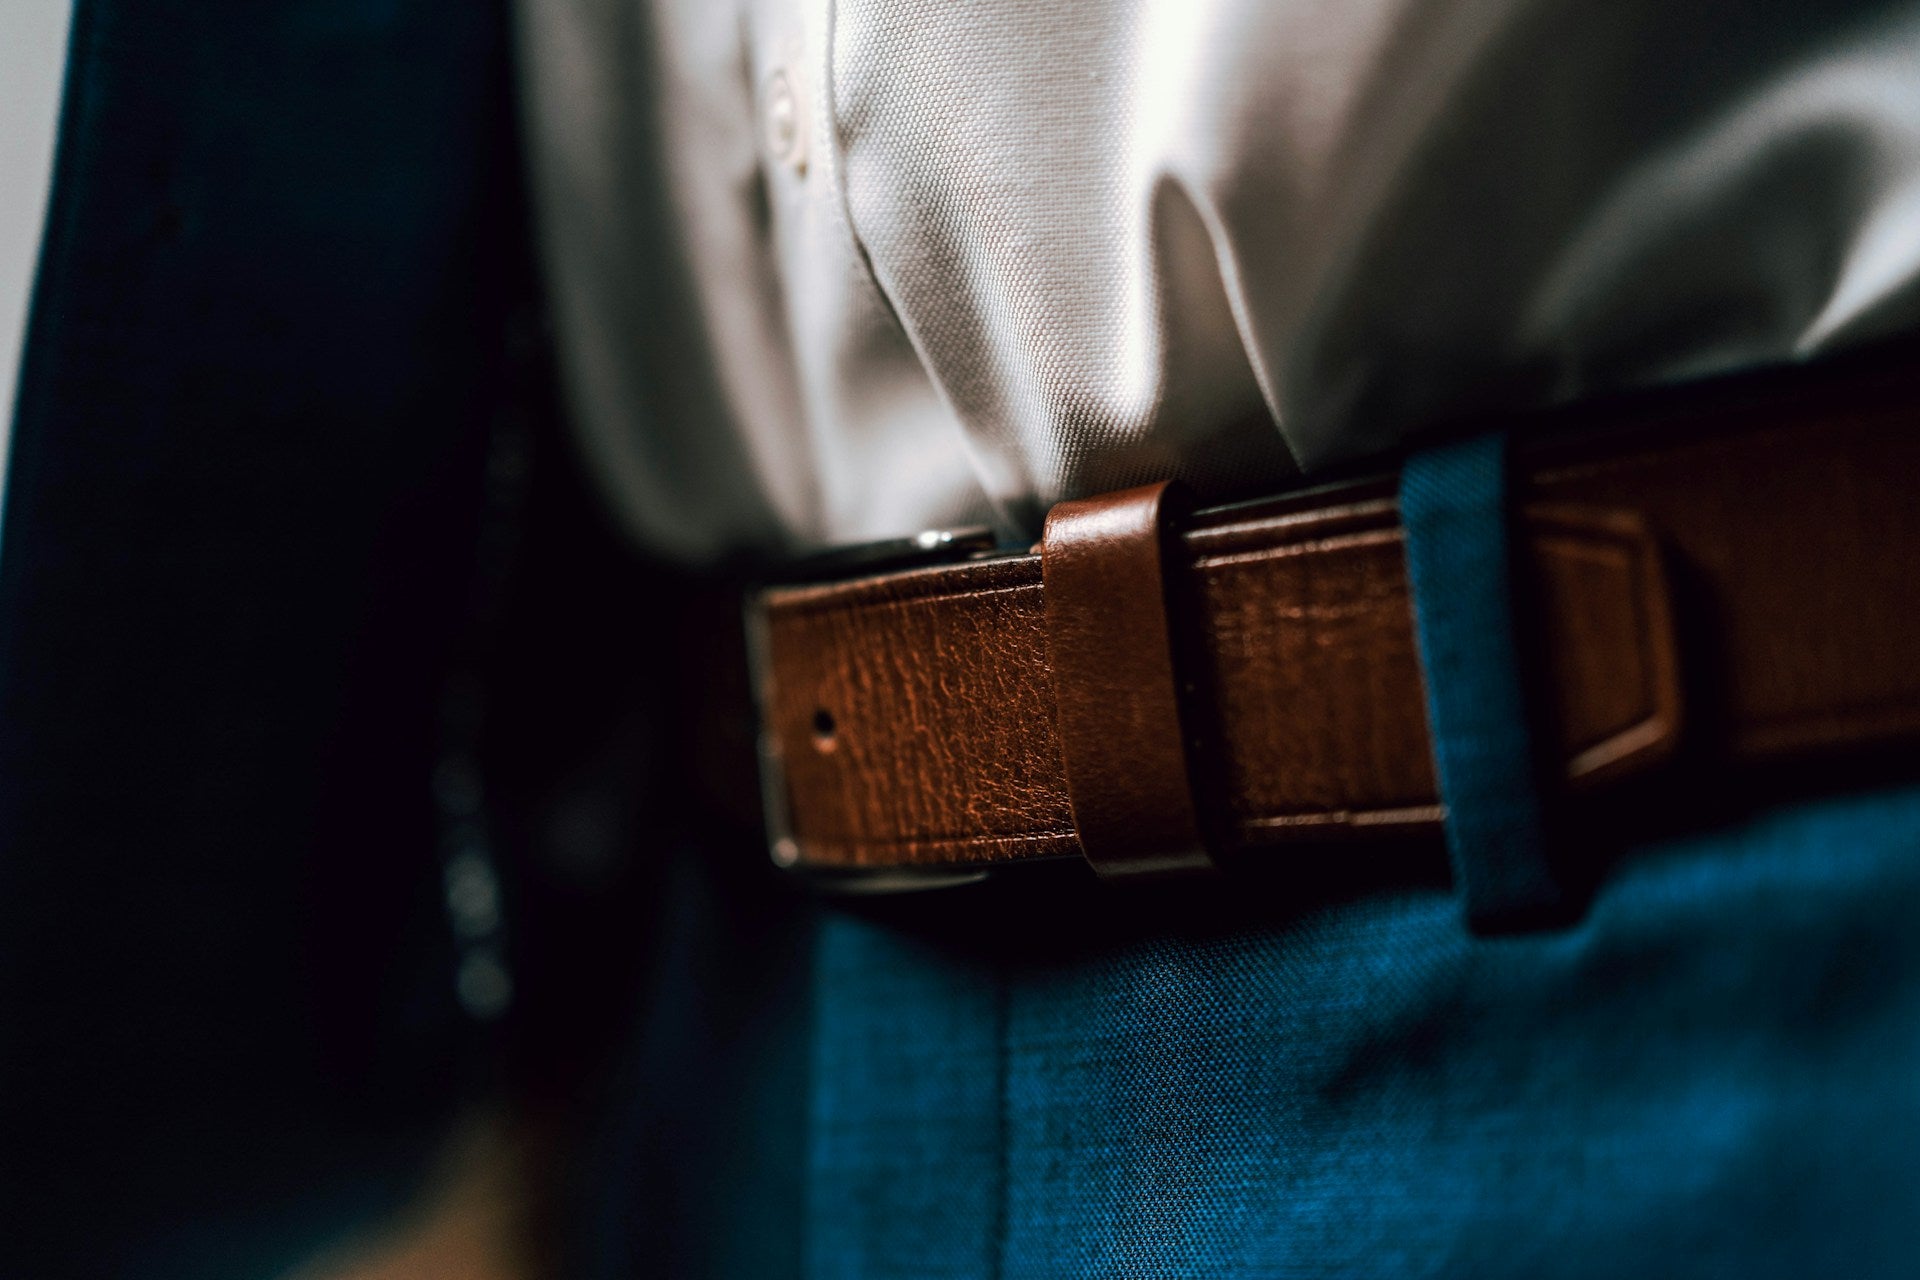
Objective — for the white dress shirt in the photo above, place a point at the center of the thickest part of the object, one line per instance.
(831, 270)
(33, 63)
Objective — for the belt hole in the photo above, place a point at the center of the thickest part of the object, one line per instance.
(824, 729)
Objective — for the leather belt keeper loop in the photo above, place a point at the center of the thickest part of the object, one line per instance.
(1104, 563)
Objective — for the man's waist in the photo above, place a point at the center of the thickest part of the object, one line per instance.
(1710, 581)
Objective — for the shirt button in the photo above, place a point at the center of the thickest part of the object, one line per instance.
(786, 134)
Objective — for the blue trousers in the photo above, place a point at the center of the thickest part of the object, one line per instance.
(1709, 1072)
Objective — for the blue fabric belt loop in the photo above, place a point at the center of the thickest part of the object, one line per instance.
(1453, 502)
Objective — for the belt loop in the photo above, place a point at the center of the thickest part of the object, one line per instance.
(1453, 503)
(1116, 690)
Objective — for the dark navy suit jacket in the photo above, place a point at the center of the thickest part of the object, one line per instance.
(239, 535)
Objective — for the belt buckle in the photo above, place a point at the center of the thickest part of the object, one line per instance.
(920, 551)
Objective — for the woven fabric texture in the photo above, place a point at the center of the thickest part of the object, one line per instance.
(1711, 1073)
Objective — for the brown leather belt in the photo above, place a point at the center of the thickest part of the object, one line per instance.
(1710, 581)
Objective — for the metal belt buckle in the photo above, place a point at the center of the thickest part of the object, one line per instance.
(934, 547)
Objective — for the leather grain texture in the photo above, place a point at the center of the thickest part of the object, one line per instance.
(914, 715)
